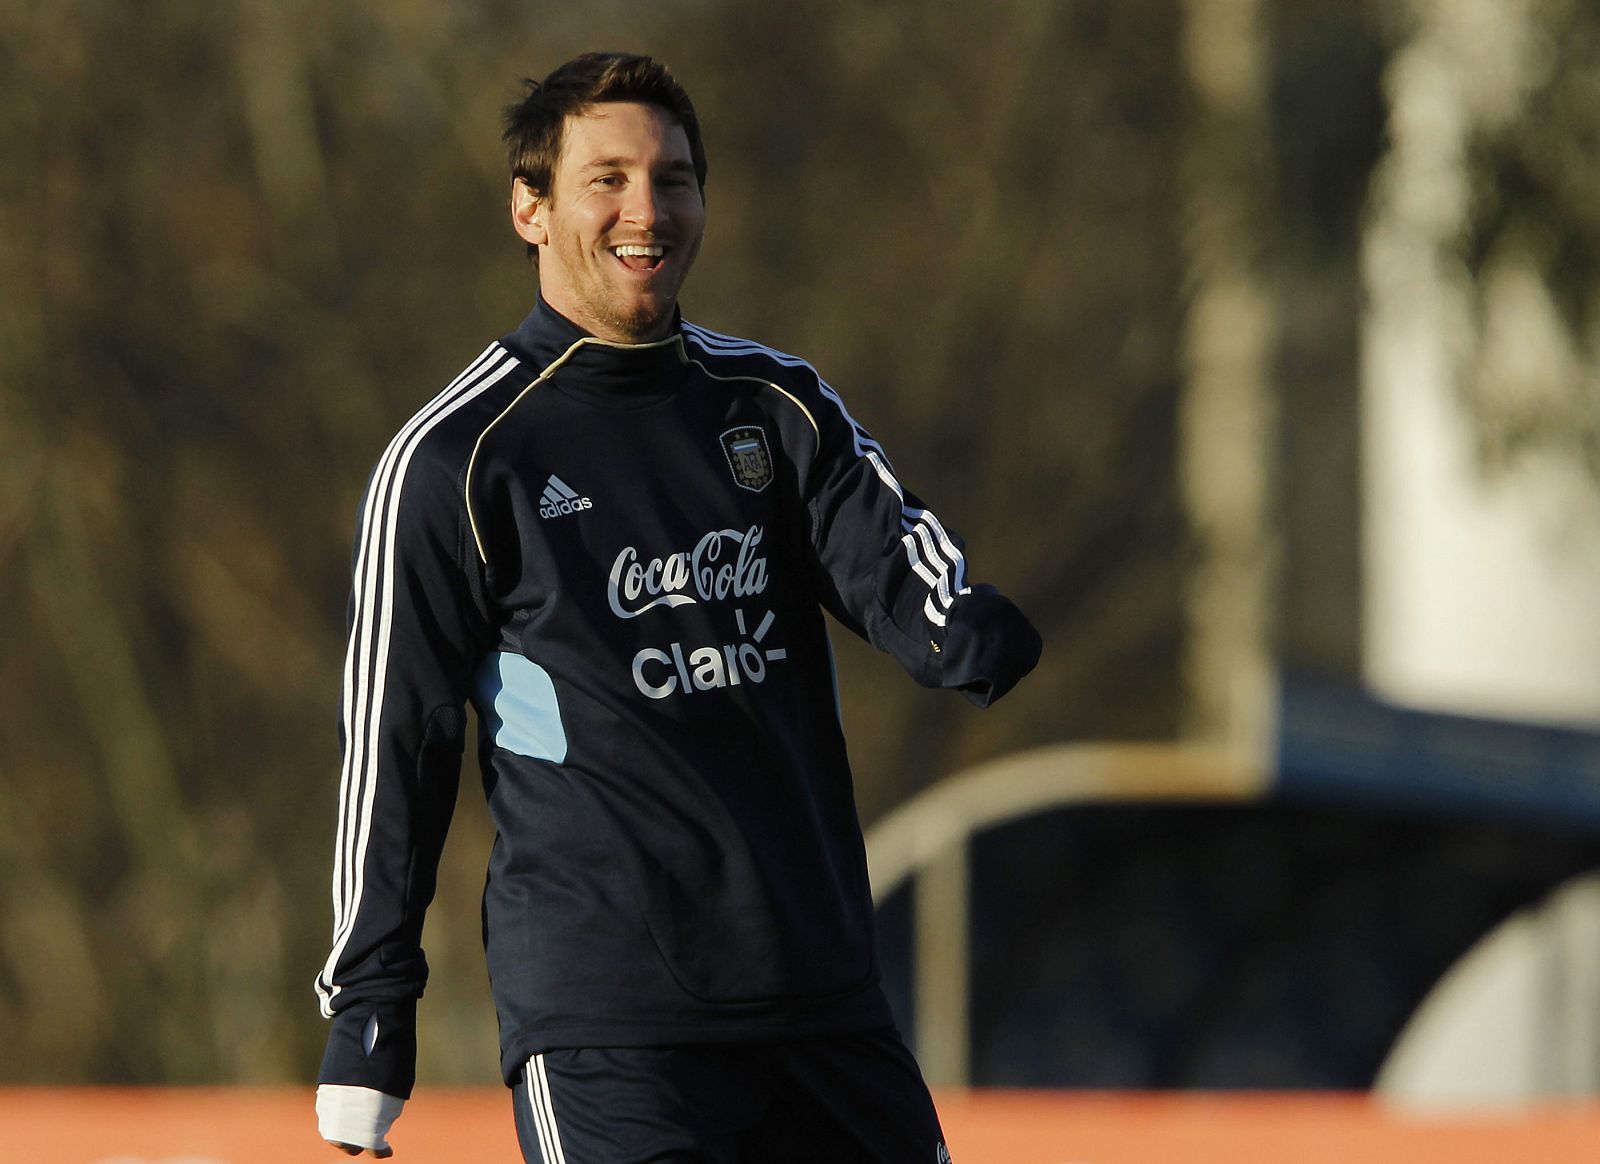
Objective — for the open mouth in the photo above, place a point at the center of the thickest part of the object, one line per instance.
(640, 256)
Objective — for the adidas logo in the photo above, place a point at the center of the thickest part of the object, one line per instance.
(560, 499)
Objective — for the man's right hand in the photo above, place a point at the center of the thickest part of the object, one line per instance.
(356, 1119)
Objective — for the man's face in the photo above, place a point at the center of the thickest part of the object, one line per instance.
(621, 224)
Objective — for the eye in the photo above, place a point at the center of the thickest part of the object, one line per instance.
(676, 186)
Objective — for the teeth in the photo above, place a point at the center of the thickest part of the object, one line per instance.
(641, 251)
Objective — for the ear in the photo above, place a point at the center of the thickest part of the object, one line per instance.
(526, 214)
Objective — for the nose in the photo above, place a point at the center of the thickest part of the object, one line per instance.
(643, 207)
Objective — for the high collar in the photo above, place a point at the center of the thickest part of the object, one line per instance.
(546, 338)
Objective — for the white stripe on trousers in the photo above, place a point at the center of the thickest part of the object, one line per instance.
(544, 1112)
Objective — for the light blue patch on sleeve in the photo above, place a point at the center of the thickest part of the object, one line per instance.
(518, 702)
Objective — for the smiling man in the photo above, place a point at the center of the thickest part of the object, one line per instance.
(618, 222)
(615, 535)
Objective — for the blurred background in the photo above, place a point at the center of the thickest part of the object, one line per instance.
(1253, 345)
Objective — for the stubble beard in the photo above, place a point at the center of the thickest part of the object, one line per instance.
(612, 313)
(636, 319)
(640, 325)
(646, 321)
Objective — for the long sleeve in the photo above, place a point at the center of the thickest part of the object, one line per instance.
(900, 576)
(417, 627)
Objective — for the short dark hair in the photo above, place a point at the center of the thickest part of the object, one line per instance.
(535, 126)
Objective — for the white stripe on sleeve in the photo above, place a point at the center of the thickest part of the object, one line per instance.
(366, 657)
(931, 551)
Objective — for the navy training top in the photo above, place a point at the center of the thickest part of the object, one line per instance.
(620, 555)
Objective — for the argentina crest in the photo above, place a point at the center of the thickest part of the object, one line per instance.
(748, 457)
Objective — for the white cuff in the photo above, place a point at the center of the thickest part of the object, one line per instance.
(356, 1115)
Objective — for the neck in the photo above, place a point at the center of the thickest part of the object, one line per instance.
(616, 366)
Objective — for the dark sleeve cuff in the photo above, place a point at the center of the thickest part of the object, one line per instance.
(373, 1045)
(988, 645)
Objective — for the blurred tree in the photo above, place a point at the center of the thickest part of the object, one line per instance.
(1228, 412)
(1532, 245)
(1491, 181)
(1327, 122)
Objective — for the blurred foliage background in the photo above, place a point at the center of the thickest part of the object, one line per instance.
(241, 241)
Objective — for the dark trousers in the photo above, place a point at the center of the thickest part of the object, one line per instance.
(840, 1098)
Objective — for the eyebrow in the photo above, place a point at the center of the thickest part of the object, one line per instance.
(619, 163)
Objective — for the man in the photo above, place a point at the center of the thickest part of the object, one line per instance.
(616, 533)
